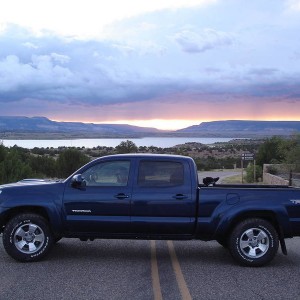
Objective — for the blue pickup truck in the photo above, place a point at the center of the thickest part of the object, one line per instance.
(141, 196)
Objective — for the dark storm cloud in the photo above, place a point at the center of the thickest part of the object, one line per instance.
(57, 69)
(64, 70)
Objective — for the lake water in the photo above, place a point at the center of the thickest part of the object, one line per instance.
(163, 142)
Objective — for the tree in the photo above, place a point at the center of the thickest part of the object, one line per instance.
(250, 173)
(126, 147)
(3, 152)
(292, 152)
(69, 161)
(13, 168)
(271, 151)
(43, 166)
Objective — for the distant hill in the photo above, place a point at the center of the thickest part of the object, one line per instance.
(41, 128)
(38, 125)
(235, 128)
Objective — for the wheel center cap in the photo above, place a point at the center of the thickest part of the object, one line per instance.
(29, 237)
(253, 242)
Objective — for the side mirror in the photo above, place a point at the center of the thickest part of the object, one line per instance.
(78, 181)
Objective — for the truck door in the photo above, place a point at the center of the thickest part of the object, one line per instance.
(103, 205)
(162, 199)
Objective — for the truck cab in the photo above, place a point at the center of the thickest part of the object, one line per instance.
(132, 195)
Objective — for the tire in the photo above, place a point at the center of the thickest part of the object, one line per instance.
(253, 242)
(27, 237)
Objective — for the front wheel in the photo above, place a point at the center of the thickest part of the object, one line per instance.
(253, 242)
(27, 237)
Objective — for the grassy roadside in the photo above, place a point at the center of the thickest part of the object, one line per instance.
(237, 179)
(232, 179)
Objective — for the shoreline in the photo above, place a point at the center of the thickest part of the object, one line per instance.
(88, 136)
(161, 142)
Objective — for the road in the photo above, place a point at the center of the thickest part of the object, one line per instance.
(221, 174)
(125, 269)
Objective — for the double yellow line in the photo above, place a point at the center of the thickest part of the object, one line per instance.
(184, 291)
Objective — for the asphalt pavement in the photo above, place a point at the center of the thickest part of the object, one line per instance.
(134, 269)
(222, 174)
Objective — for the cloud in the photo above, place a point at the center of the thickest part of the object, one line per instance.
(87, 72)
(139, 48)
(293, 5)
(207, 39)
(37, 79)
(263, 71)
(30, 45)
(105, 72)
(85, 19)
(52, 77)
(60, 58)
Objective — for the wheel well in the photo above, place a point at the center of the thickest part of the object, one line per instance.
(265, 215)
(22, 209)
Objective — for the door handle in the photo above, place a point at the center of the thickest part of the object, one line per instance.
(180, 196)
(121, 196)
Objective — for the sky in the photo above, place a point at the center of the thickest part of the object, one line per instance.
(166, 64)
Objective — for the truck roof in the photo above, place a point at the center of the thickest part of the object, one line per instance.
(148, 155)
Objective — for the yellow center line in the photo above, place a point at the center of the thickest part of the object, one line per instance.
(154, 273)
(184, 291)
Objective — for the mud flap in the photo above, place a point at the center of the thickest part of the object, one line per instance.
(283, 246)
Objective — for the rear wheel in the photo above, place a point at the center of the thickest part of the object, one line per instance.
(27, 237)
(253, 242)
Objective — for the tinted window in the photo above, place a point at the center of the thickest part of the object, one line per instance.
(113, 173)
(160, 173)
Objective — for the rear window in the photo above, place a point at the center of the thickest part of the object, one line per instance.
(160, 174)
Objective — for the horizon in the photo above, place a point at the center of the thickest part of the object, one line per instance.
(162, 129)
(162, 64)
(165, 124)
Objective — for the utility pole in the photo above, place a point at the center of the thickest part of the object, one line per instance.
(242, 165)
(254, 170)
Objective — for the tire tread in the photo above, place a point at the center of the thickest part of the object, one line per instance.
(11, 227)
